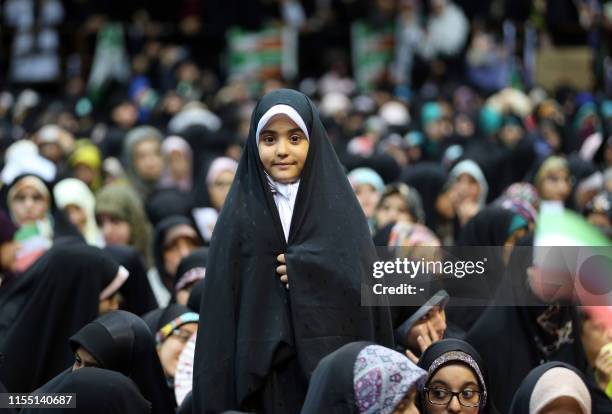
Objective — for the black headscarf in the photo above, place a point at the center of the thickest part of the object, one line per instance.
(98, 391)
(56, 297)
(197, 259)
(429, 180)
(167, 202)
(486, 233)
(439, 349)
(267, 339)
(158, 244)
(138, 297)
(520, 402)
(195, 296)
(331, 388)
(122, 342)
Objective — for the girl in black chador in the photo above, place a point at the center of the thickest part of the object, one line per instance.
(291, 213)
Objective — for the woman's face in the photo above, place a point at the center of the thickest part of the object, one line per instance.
(110, 304)
(147, 159)
(77, 216)
(28, 206)
(179, 165)
(434, 320)
(170, 350)
(85, 173)
(595, 336)
(115, 230)
(555, 185)
(283, 148)
(176, 248)
(392, 209)
(455, 377)
(466, 188)
(561, 405)
(368, 198)
(407, 405)
(83, 359)
(219, 188)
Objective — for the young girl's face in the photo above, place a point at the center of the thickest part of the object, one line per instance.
(283, 148)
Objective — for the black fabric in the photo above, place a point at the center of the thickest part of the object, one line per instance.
(331, 388)
(157, 318)
(429, 180)
(512, 333)
(168, 202)
(57, 296)
(158, 245)
(122, 342)
(384, 164)
(520, 402)
(197, 258)
(5, 410)
(267, 338)
(138, 296)
(487, 232)
(98, 391)
(489, 227)
(195, 296)
(437, 349)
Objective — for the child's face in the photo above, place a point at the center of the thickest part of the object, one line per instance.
(283, 148)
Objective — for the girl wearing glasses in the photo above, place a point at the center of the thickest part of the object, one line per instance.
(456, 381)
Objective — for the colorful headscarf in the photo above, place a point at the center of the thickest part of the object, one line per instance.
(167, 329)
(381, 379)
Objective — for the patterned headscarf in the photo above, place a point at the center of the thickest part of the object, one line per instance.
(466, 359)
(382, 378)
(167, 329)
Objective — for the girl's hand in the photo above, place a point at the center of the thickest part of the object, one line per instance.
(603, 364)
(282, 269)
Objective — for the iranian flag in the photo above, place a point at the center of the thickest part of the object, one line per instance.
(572, 260)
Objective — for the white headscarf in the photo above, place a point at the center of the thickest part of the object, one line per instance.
(556, 383)
(74, 191)
(284, 194)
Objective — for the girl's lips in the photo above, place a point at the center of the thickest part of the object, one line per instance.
(283, 166)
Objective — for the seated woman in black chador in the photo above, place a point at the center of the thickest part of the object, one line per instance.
(291, 211)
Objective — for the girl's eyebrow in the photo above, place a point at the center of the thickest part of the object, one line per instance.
(267, 131)
(291, 131)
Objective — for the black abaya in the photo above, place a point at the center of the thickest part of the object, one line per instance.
(57, 296)
(260, 341)
(122, 342)
(98, 391)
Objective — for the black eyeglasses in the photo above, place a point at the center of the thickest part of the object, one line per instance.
(442, 396)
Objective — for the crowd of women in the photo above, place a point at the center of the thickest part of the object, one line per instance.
(115, 286)
(178, 244)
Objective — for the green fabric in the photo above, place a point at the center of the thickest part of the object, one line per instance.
(490, 120)
(518, 222)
